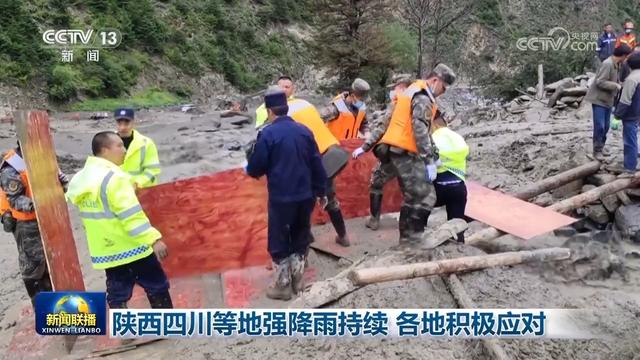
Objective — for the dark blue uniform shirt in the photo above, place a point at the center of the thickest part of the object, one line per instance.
(287, 153)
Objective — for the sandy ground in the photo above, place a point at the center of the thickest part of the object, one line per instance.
(506, 153)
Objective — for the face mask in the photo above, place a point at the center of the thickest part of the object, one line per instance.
(392, 94)
(628, 31)
(358, 104)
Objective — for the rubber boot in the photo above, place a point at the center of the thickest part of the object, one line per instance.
(280, 289)
(403, 224)
(375, 205)
(418, 219)
(297, 272)
(160, 301)
(338, 224)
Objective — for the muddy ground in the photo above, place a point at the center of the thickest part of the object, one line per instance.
(507, 152)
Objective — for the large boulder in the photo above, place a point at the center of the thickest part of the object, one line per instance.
(598, 214)
(628, 221)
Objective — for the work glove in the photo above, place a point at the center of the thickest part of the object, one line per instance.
(615, 123)
(357, 153)
(432, 172)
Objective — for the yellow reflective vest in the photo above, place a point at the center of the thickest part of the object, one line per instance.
(118, 231)
(453, 152)
(141, 161)
(261, 113)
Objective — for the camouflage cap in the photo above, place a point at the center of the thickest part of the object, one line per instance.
(396, 79)
(360, 86)
(445, 73)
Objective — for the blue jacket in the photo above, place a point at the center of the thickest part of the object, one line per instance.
(287, 153)
(628, 107)
(606, 44)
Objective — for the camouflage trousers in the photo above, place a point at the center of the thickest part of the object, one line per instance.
(33, 264)
(382, 174)
(417, 193)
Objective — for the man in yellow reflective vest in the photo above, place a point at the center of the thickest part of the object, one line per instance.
(450, 187)
(346, 116)
(19, 218)
(120, 237)
(285, 83)
(141, 160)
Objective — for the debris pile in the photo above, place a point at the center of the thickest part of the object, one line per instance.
(562, 94)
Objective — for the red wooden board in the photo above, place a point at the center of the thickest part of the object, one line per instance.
(48, 197)
(219, 222)
(511, 215)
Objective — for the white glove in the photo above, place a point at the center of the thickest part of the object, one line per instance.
(438, 163)
(357, 153)
(432, 172)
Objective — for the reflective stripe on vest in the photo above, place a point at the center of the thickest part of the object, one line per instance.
(108, 214)
(17, 162)
(346, 125)
(120, 256)
(142, 169)
(306, 114)
(453, 151)
(400, 130)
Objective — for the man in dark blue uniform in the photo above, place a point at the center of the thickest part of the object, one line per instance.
(287, 153)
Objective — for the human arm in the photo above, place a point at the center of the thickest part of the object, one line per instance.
(421, 121)
(318, 173)
(602, 78)
(626, 97)
(328, 113)
(150, 167)
(378, 128)
(258, 161)
(12, 185)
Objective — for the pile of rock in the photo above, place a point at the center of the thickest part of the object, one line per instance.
(562, 94)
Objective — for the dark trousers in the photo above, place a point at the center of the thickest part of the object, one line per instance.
(35, 286)
(289, 228)
(601, 123)
(146, 272)
(630, 141)
(454, 198)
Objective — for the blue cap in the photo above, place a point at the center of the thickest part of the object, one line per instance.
(123, 114)
(275, 99)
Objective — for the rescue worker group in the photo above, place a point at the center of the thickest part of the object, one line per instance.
(297, 148)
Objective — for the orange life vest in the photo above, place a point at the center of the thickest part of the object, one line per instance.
(306, 114)
(400, 130)
(346, 125)
(629, 39)
(15, 161)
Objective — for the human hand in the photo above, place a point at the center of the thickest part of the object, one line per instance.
(357, 153)
(323, 201)
(160, 249)
(432, 172)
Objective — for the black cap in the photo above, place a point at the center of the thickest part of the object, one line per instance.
(123, 113)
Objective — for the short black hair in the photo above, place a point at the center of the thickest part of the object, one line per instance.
(634, 61)
(607, 24)
(626, 21)
(284, 77)
(100, 141)
(280, 110)
(622, 50)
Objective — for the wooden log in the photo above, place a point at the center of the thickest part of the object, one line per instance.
(409, 271)
(540, 92)
(590, 196)
(464, 301)
(557, 180)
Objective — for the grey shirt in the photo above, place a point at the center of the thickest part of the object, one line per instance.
(605, 86)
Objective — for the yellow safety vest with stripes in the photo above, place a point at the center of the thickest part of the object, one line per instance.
(453, 152)
(118, 230)
(141, 161)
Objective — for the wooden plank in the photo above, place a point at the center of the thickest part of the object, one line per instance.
(51, 207)
(218, 222)
(48, 198)
(511, 215)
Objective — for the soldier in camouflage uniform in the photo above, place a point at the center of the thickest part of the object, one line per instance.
(412, 152)
(383, 172)
(31, 258)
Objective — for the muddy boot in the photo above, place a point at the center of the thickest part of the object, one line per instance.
(338, 224)
(281, 287)
(417, 221)
(160, 301)
(297, 272)
(375, 204)
(403, 224)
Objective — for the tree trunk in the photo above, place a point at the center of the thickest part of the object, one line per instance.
(420, 51)
(362, 277)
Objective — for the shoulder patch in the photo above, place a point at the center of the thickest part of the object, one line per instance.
(13, 185)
